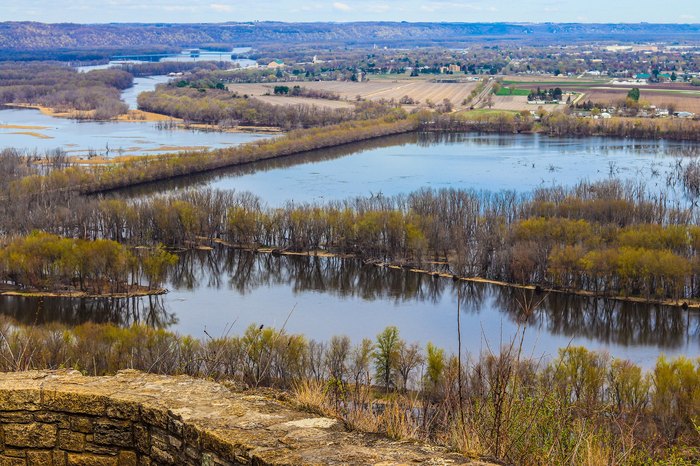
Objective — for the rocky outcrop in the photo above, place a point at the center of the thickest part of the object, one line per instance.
(64, 418)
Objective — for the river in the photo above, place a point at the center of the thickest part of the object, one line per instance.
(224, 291)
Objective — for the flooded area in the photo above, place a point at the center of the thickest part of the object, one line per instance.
(32, 130)
(405, 163)
(41, 132)
(223, 291)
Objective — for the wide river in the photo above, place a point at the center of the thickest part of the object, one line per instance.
(224, 291)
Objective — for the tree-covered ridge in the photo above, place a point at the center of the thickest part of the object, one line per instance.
(33, 36)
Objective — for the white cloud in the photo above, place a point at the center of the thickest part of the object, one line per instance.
(341, 6)
(221, 7)
(379, 8)
(433, 7)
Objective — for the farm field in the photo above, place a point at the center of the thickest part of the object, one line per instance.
(286, 100)
(682, 96)
(681, 101)
(420, 90)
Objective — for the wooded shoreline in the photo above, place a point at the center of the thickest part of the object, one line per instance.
(684, 304)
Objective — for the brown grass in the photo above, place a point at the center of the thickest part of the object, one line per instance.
(237, 129)
(325, 103)
(130, 116)
(23, 127)
(519, 103)
(175, 148)
(140, 115)
(32, 134)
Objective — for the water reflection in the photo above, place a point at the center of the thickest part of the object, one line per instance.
(149, 310)
(281, 163)
(335, 296)
(404, 163)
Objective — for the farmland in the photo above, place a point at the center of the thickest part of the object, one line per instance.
(419, 90)
(681, 101)
(679, 96)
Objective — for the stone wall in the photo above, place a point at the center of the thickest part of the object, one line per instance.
(65, 419)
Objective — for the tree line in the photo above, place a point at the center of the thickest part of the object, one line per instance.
(580, 407)
(559, 124)
(147, 169)
(608, 238)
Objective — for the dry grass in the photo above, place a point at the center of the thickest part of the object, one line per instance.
(310, 396)
(388, 417)
(174, 148)
(553, 79)
(283, 100)
(23, 127)
(140, 115)
(519, 103)
(45, 110)
(236, 129)
(130, 116)
(33, 134)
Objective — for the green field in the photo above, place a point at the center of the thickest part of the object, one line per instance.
(510, 91)
(481, 112)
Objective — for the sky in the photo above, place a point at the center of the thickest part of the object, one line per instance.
(215, 11)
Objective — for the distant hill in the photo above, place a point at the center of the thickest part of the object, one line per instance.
(27, 36)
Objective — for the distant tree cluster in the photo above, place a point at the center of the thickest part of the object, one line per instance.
(96, 94)
(167, 67)
(300, 91)
(546, 94)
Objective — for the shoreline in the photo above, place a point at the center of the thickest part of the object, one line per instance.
(84, 294)
(134, 116)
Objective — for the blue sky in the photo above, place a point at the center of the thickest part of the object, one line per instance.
(101, 11)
